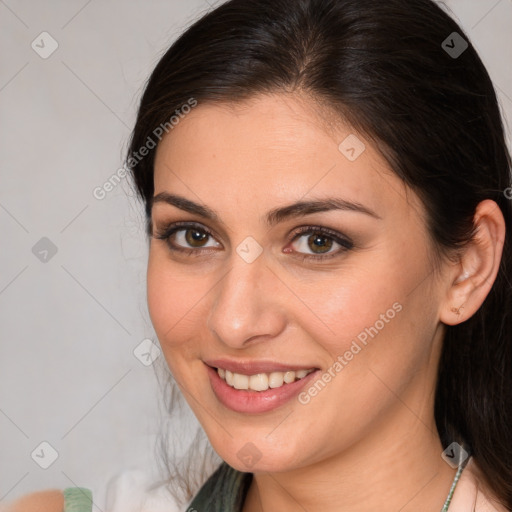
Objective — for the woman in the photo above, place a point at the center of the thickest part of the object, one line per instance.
(327, 195)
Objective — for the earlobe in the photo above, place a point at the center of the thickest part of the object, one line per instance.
(455, 309)
(478, 266)
(463, 293)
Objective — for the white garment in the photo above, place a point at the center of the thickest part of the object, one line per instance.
(129, 492)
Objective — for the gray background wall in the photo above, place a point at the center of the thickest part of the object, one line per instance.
(70, 321)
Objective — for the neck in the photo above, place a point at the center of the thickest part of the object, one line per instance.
(398, 467)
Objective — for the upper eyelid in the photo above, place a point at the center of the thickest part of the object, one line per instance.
(184, 225)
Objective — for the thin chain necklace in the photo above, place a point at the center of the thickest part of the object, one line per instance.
(455, 480)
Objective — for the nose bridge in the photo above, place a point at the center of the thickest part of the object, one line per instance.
(245, 305)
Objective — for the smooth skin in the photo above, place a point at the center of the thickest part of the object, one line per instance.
(368, 440)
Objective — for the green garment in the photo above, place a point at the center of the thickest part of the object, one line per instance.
(226, 489)
(77, 499)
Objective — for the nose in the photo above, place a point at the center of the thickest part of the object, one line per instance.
(248, 304)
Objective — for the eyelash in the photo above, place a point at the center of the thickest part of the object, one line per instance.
(167, 231)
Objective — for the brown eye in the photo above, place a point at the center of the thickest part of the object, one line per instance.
(185, 237)
(195, 237)
(318, 242)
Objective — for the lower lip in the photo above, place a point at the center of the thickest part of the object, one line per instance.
(239, 400)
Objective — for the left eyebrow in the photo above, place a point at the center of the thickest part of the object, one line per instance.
(274, 216)
(314, 206)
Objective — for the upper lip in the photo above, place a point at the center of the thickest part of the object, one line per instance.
(254, 367)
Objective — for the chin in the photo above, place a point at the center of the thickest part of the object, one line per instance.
(251, 457)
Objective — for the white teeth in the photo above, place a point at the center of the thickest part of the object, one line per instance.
(276, 379)
(261, 381)
(258, 382)
(289, 377)
(240, 381)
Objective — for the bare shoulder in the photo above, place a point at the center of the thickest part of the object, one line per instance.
(42, 501)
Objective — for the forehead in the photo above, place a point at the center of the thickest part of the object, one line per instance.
(270, 150)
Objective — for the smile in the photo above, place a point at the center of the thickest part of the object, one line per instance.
(261, 381)
(257, 391)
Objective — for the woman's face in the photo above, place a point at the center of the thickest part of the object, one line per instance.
(245, 287)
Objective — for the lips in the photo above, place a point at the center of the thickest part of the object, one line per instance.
(255, 402)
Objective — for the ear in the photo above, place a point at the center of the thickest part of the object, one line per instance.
(472, 278)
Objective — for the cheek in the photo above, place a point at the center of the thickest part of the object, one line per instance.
(174, 302)
(373, 316)
(167, 305)
(346, 304)
(160, 298)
